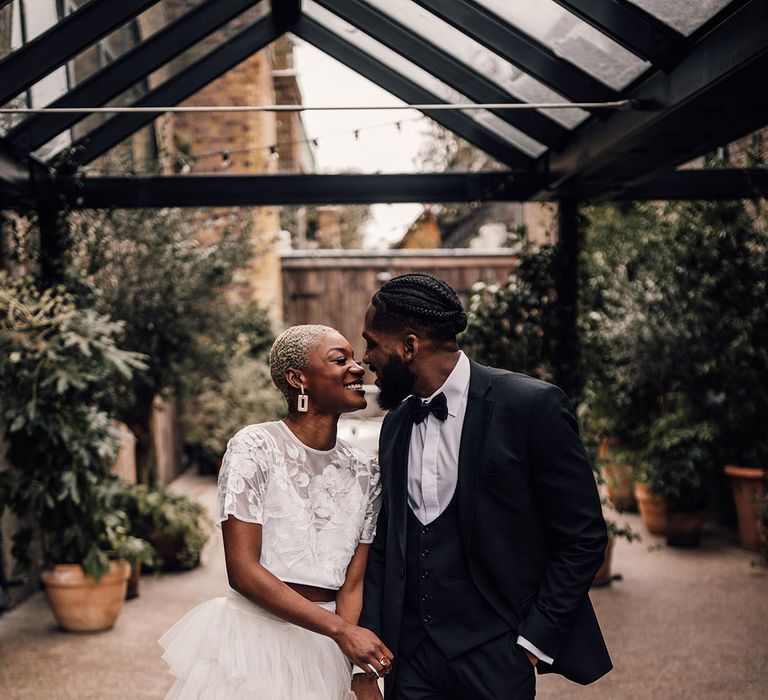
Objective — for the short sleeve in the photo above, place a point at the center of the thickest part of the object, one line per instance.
(243, 477)
(374, 503)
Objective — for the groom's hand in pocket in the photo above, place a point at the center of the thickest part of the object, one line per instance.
(365, 688)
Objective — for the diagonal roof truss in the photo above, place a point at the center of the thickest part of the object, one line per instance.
(695, 83)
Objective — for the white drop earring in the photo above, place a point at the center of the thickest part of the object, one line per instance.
(302, 404)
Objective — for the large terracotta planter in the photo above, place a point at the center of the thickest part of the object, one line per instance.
(748, 485)
(82, 604)
(604, 575)
(684, 528)
(132, 591)
(653, 509)
(617, 477)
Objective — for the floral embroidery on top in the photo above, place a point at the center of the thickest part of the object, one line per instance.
(314, 506)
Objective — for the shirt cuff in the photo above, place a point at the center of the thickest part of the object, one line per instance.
(538, 653)
(356, 670)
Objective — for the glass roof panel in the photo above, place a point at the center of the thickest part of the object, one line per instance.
(421, 77)
(572, 39)
(510, 78)
(686, 16)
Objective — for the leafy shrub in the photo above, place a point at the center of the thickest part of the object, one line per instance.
(58, 365)
(511, 326)
(219, 409)
(175, 525)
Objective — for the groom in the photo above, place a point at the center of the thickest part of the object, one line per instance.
(490, 530)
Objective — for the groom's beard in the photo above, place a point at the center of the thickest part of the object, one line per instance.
(396, 382)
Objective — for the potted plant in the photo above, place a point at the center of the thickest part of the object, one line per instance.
(748, 486)
(677, 465)
(175, 525)
(58, 364)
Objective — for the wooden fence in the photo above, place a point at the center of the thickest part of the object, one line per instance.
(334, 287)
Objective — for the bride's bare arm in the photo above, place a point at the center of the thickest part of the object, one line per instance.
(242, 549)
(349, 599)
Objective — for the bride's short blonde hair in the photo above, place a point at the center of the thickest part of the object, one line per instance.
(291, 351)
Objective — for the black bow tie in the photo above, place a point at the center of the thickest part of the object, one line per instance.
(437, 406)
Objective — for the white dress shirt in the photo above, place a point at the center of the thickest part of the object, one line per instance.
(433, 459)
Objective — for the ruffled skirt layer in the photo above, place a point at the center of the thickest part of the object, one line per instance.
(231, 649)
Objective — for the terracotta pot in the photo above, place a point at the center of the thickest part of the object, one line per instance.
(748, 485)
(132, 591)
(653, 509)
(617, 477)
(82, 604)
(604, 576)
(684, 528)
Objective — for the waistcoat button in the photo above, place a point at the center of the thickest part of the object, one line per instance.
(425, 552)
(426, 574)
(425, 530)
(427, 619)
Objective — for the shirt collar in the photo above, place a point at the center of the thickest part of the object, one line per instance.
(456, 385)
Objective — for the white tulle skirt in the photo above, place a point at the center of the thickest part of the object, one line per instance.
(231, 649)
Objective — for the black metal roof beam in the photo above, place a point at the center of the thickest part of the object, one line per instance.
(127, 69)
(688, 184)
(411, 93)
(286, 13)
(15, 180)
(174, 90)
(440, 63)
(709, 99)
(263, 190)
(523, 51)
(633, 28)
(32, 62)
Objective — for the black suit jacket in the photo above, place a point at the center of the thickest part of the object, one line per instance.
(532, 528)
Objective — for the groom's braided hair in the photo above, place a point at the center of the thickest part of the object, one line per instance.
(421, 302)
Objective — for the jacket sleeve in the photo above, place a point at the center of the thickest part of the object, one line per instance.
(567, 494)
(373, 588)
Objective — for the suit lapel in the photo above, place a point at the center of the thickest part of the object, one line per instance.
(473, 438)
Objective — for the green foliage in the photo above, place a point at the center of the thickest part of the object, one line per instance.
(675, 338)
(220, 408)
(511, 325)
(175, 525)
(146, 268)
(59, 364)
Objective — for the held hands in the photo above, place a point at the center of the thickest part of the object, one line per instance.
(364, 649)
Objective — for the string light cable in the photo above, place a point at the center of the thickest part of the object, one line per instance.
(437, 107)
(186, 160)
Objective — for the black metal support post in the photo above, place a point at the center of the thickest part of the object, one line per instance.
(566, 355)
(54, 243)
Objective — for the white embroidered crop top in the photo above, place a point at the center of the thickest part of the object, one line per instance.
(314, 506)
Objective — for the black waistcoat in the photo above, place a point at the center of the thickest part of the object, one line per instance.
(440, 599)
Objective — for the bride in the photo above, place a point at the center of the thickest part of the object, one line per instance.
(297, 509)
